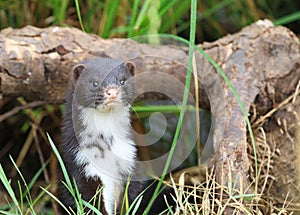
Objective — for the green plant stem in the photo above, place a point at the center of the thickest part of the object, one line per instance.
(132, 19)
(62, 10)
(162, 108)
(79, 15)
(167, 7)
(142, 14)
(287, 19)
(9, 189)
(62, 165)
(110, 9)
(184, 102)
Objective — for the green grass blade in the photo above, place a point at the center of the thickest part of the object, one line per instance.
(30, 210)
(246, 196)
(24, 182)
(4, 207)
(154, 22)
(21, 198)
(62, 8)
(142, 14)
(7, 206)
(137, 201)
(5, 212)
(38, 197)
(36, 176)
(184, 102)
(125, 203)
(133, 18)
(79, 15)
(181, 8)
(91, 207)
(73, 191)
(110, 9)
(162, 108)
(62, 165)
(167, 7)
(288, 19)
(57, 200)
(77, 198)
(9, 189)
(137, 205)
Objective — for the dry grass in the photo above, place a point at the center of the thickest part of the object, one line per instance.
(198, 192)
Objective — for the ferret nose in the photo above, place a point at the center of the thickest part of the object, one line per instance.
(112, 93)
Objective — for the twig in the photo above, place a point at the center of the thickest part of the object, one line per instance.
(19, 108)
(271, 112)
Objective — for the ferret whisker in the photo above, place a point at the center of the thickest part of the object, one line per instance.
(95, 100)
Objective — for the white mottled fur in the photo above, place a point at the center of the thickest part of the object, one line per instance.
(120, 157)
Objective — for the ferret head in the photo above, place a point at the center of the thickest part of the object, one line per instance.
(103, 84)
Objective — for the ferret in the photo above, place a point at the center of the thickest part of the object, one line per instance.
(97, 147)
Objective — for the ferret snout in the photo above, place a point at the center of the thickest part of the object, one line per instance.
(112, 93)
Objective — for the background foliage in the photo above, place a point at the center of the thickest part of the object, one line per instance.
(126, 18)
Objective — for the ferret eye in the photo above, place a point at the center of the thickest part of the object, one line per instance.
(122, 81)
(95, 84)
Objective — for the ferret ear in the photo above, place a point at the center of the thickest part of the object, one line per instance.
(77, 71)
(131, 66)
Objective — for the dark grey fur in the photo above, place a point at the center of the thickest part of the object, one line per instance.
(84, 92)
(107, 72)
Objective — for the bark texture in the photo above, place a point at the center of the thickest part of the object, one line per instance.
(261, 61)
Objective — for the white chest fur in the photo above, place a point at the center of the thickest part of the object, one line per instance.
(107, 151)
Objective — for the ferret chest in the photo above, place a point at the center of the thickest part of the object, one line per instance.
(106, 151)
(105, 146)
(107, 155)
